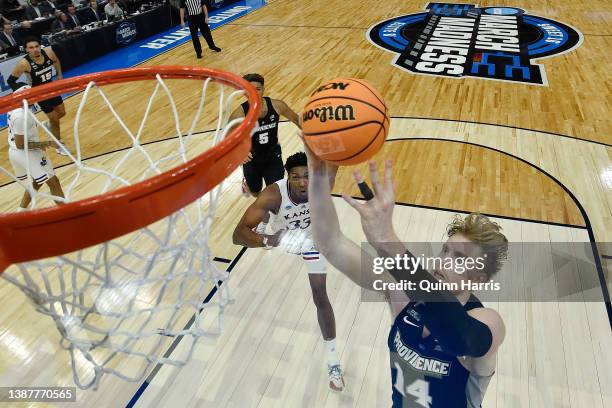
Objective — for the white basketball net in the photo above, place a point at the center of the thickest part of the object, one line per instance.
(120, 304)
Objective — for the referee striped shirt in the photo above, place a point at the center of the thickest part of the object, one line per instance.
(194, 7)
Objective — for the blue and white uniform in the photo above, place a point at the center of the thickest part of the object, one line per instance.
(422, 374)
(295, 218)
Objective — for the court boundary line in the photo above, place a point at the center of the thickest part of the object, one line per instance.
(505, 126)
(505, 217)
(95, 156)
(143, 387)
(602, 280)
(350, 28)
(145, 384)
(588, 226)
(286, 121)
(166, 50)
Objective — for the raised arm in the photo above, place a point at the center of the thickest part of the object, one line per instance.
(267, 201)
(236, 114)
(284, 109)
(477, 333)
(340, 251)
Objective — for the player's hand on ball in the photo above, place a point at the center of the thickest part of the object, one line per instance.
(316, 165)
(377, 214)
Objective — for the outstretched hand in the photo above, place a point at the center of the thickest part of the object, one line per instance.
(377, 214)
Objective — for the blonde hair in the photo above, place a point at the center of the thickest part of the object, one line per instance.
(487, 234)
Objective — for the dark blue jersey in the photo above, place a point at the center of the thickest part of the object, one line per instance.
(422, 374)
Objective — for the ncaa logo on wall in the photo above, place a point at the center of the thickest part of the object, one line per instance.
(462, 40)
(125, 33)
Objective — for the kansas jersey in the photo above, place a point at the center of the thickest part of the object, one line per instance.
(422, 374)
(295, 218)
(291, 216)
(265, 135)
(40, 73)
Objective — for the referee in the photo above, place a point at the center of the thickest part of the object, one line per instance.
(197, 15)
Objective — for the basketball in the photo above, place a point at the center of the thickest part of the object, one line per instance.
(345, 121)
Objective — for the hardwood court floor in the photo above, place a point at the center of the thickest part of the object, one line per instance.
(270, 352)
(556, 186)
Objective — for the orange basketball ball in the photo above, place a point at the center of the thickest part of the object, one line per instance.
(345, 121)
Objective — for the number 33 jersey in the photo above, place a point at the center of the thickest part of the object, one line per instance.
(422, 374)
(295, 218)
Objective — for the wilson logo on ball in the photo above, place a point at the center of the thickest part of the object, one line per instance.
(345, 121)
(332, 85)
(338, 113)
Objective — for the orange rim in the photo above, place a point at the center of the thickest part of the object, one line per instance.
(58, 230)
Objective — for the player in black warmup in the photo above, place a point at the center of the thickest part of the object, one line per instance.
(38, 65)
(443, 342)
(265, 159)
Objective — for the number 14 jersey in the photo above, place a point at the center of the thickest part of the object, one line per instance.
(422, 373)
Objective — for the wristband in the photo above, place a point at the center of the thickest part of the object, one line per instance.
(265, 242)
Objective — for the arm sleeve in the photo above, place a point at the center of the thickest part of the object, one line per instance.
(182, 4)
(456, 331)
(12, 82)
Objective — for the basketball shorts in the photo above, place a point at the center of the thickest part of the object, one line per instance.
(48, 104)
(41, 168)
(315, 262)
(270, 168)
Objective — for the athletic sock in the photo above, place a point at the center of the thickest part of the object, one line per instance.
(332, 354)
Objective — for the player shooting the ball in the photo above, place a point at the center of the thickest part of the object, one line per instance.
(442, 344)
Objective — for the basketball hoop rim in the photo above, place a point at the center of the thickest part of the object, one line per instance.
(57, 230)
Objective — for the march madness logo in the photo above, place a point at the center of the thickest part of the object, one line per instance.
(462, 40)
(126, 32)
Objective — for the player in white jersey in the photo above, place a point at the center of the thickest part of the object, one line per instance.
(32, 156)
(287, 200)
